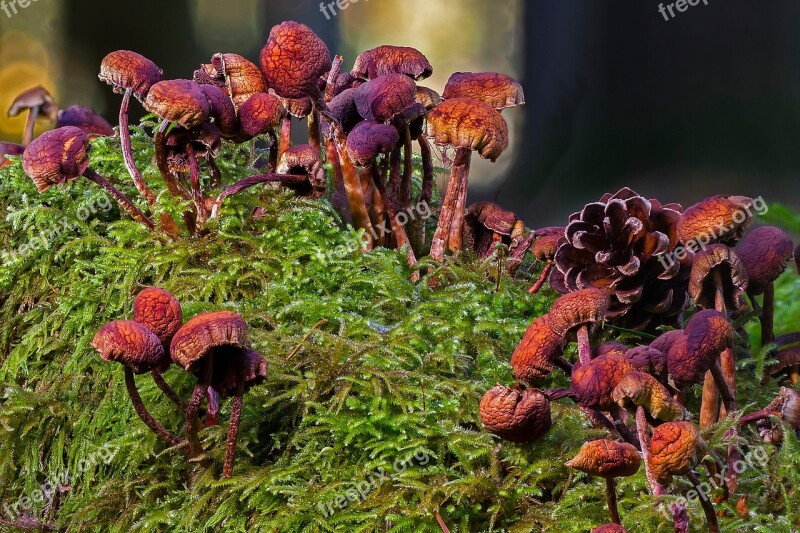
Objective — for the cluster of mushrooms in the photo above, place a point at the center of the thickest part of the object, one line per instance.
(364, 123)
(213, 347)
(635, 263)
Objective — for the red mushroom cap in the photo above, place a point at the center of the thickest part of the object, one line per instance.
(180, 101)
(370, 139)
(384, 97)
(586, 306)
(607, 459)
(131, 344)
(86, 119)
(204, 335)
(717, 219)
(764, 252)
(9, 149)
(594, 383)
(388, 59)
(514, 416)
(533, 360)
(241, 78)
(259, 114)
(427, 97)
(56, 156)
(547, 242)
(497, 90)
(294, 59)
(675, 448)
(469, 124)
(221, 109)
(124, 70)
(159, 311)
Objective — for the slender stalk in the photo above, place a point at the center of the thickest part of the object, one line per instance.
(288, 179)
(175, 188)
(611, 500)
(584, 347)
(273, 151)
(705, 503)
(427, 169)
(233, 431)
(30, 124)
(199, 392)
(167, 390)
(644, 441)
(216, 175)
(458, 172)
(395, 175)
(333, 74)
(286, 135)
(455, 240)
(121, 199)
(767, 315)
(194, 181)
(548, 267)
(212, 413)
(314, 131)
(339, 195)
(406, 181)
(709, 408)
(138, 405)
(355, 194)
(127, 151)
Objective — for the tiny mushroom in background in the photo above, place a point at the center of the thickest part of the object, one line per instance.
(607, 459)
(516, 416)
(577, 311)
(785, 406)
(86, 119)
(544, 249)
(787, 361)
(58, 156)
(39, 103)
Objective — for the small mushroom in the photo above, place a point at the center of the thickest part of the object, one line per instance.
(498, 90)
(9, 149)
(607, 459)
(241, 78)
(648, 359)
(675, 448)
(788, 359)
(594, 382)
(718, 279)
(785, 406)
(388, 59)
(86, 119)
(38, 102)
(576, 311)
(718, 219)
(544, 249)
(514, 416)
(640, 390)
(487, 224)
(538, 352)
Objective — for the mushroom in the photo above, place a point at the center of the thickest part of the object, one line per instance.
(648, 359)
(258, 115)
(498, 90)
(221, 109)
(544, 249)
(594, 382)
(607, 459)
(214, 348)
(638, 390)
(139, 351)
(487, 224)
(718, 219)
(788, 358)
(60, 155)
(785, 406)
(465, 124)
(38, 102)
(538, 352)
(86, 119)
(9, 149)
(388, 59)
(427, 98)
(241, 78)
(130, 74)
(577, 310)
(514, 416)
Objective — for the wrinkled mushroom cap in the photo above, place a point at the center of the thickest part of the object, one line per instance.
(370, 139)
(607, 459)
(131, 344)
(648, 359)
(293, 60)
(304, 159)
(586, 306)
(533, 359)
(241, 78)
(718, 258)
(675, 448)
(547, 242)
(259, 114)
(493, 217)
(594, 383)
(707, 334)
(124, 70)
(221, 109)
(664, 342)
(609, 347)
(427, 97)
(497, 90)
(56, 156)
(388, 59)
(201, 335)
(639, 389)
(343, 108)
(717, 219)
(298, 107)
(514, 416)
(764, 252)
(382, 98)
(159, 311)
(86, 119)
(34, 97)
(466, 123)
(180, 101)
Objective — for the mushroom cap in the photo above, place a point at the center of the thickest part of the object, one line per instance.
(664, 342)
(648, 359)
(221, 109)
(764, 252)
(609, 347)
(427, 97)
(304, 159)
(159, 311)
(785, 358)
(718, 258)
(343, 107)
(205, 333)
(86, 119)
(9, 149)
(707, 334)
(586, 306)
(131, 344)
(547, 242)
(533, 359)
(384, 97)
(498, 90)
(388, 59)
(205, 139)
(370, 139)
(514, 416)
(56, 156)
(493, 217)
(249, 368)
(241, 78)
(717, 219)
(293, 60)
(485, 223)
(607, 459)
(298, 107)
(609, 528)
(180, 101)
(259, 114)
(34, 97)
(790, 407)
(466, 123)
(641, 389)
(675, 448)
(124, 70)
(594, 382)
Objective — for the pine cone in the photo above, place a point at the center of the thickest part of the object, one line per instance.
(624, 243)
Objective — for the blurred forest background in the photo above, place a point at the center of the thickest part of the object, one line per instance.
(707, 102)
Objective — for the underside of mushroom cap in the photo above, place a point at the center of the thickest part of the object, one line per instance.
(534, 357)
(131, 344)
(764, 252)
(293, 60)
(300, 160)
(206, 334)
(718, 258)
(675, 448)
(498, 90)
(466, 123)
(125, 69)
(56, 156)
(514, 416)
(247, 367)
(607, 459)
(388, 59)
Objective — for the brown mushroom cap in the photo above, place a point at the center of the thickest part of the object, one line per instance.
(293, 60)
(56, 156)
(469, 124)
(159, 311)
(586, 306)
(180, 101)
(675, 448)
(207, 335)
(9, 149)
(259, 114)
(384, 97)
(298, 107)
(221, 109)
(303, 159)
(427, 97)
(370, 139)
(124, 70)
(497, 90)
(718, 258)
(343, 108)
(241, 78)
(533, 359)
(609, 347)
(205, 139)
(707, 334)
(131, 344)
(786, 358)
(486, 221)
(388, 59)
(609, 528)
(594, 383)
(764, 252)
(717, 219)
(34, 97)
(665, 341)
(86, 119)
(607, 459)
(514, 416)
(547, 242)
(641, 389)
(648, 359)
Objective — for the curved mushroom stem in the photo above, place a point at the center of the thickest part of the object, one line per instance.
(542, 277)
(709, 408)
(197, 191)
(212, 413)
(395, 177)
(557, 394)
(167, 390)
(427, 169)
(355, 193)
(755, 416)
(333, 74)
(199, 392)
(644, 441)
(459, 172)
(705, 503)
(314, 131)
(563, 364)
(30, 124)
(286, 135)
(611, 499)
(233, 431)
(121, 199)
(127, 151)
(288, 179)
(160, 431)
(584, 348)
(216, 175)
(339, 195)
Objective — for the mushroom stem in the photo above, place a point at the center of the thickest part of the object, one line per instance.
(212, 413)
(30, 124)
(286, 134)
(167, 390)
(333, 74)
(767, 315)
(194, 181)
(427, 169)
(287, 179)
(563, 364)
(728, 397)
(339, 196)
(680, 518)
(121, 199)
(233, 432)
(458, 172)
(709, 408)
(190, 428)
(216, 175)
(542, 277)
(160, 431)
(557, 394)
(611, 499)
(705, 503)
(456, 237)
(755, 416)
(406, 181)
(394, 172)
(355, 194)
(127, 151)
(175, 188)
(584, 348)
(644, 442)
(273, 150)
(314, 132)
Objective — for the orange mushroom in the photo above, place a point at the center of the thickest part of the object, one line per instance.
(514, 416)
